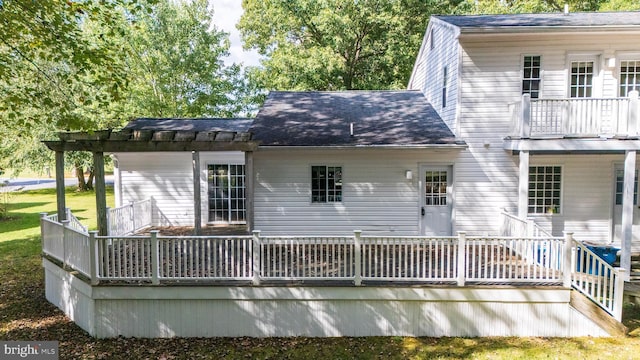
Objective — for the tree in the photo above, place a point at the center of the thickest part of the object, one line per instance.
(91, 65)
(336, 44)
(176, 66)
(49, 61)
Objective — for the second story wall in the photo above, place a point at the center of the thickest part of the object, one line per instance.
(492, 73)
(436, 70)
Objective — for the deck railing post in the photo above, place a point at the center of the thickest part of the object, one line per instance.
(618, 293)
(525, 129)
(567, 264)
(93, 258)
(255, 266)
(531, 226)
(42, 234)
(155, 258)
(357, 249)
(462, 250)
(634, 113)
(132, 217)
(109, 221)
(65, 226)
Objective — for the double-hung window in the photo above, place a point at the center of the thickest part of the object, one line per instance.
(581, 79)
(545, 183)
(629, 77)
(531, 75)
(326, 184)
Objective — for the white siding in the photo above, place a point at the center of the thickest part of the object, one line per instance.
(167, 177)
(377, 197)
(487, 175)
(428, 73)
(215, 311)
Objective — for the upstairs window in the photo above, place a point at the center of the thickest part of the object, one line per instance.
(326, 184)
(445, 81)
(432, 42)
(581, 79)
(629, 77)
(545, 183)
(531, 76)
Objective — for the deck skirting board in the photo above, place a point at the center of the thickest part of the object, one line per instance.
(201, 311)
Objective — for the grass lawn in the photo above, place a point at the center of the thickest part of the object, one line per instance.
(26, 315)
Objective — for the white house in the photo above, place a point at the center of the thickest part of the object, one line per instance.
(512, 126)
(548, 106)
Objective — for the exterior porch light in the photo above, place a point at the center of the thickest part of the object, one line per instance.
(408, 174)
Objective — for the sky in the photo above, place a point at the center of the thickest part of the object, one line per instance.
(226, 14)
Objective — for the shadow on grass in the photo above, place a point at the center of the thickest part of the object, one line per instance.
(19, 221)
(24, 205)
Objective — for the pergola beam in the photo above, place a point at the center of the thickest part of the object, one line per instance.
(116, 146)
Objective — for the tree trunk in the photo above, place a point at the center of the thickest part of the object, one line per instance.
(82, 185)
(89, 184)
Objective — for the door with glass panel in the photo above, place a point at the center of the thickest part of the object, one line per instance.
(226, 193)
(436, 190)
(617, 209)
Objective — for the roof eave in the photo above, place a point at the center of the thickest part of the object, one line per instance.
(458, 145)
(469, 30)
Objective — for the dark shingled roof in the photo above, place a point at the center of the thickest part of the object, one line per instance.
(380, 118)
(576, 20)
(217, 124)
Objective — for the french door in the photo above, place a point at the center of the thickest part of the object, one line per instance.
(226, 193)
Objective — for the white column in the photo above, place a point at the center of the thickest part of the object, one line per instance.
(523, 185)
(197, 203)
(627, 210)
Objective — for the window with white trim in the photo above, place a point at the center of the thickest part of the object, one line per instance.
(326, 184)
(545, 183)
(581, 79)
(620, 187)
(227, 203)
(629, 76)
(445, 81)
(531, 75)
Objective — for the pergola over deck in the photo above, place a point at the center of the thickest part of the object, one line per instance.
(149, 135)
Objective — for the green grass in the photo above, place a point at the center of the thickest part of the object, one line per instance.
(26, 315)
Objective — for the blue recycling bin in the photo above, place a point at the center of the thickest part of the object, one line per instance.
(586, 264)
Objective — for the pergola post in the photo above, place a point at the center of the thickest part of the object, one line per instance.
(60, 196)
(627, 210)
(197, 203)
(101, 193)
(248, 186)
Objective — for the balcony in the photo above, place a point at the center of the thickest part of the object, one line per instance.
(601, 118)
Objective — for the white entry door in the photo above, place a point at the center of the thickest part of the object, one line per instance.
(436, 200)
(617, 209)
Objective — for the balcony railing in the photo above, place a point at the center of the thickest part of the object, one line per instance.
(584, 117)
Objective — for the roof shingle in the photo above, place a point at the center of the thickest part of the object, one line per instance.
(378, 118)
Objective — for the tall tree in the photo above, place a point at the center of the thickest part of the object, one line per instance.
(177, 68)
(336, 44)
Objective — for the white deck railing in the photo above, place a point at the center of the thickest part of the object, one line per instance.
(130, 218)
(356, 258)
(590, 274)
(65, 243)
(575, 117)
(458, 260)
(514, 226)
(599, 281)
